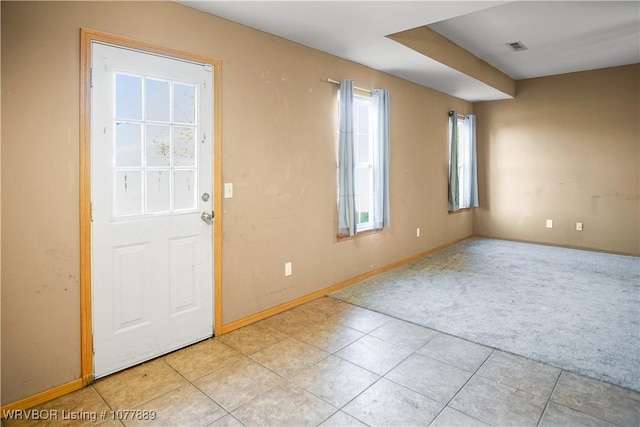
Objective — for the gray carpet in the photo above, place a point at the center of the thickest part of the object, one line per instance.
(576, 310)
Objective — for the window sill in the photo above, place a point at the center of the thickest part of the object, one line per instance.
(359, 234)
(460, 211)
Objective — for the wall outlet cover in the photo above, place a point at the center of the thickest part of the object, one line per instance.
(287, 269)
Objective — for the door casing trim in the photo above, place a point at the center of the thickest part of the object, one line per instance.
(87, 36)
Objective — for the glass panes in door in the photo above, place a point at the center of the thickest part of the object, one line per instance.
(155, 149)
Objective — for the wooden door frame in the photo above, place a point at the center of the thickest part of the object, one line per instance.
(88, 36)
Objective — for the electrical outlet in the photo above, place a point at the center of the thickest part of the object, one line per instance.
(578, 226)
(549, 223)
(287, 269)
(418, 232)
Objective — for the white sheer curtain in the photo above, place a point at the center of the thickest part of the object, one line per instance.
(346, 162)
(381, 212)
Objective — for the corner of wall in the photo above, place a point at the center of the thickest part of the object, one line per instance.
(560, 150)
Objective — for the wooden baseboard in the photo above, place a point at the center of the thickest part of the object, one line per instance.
(557, 245)
(44, 396)
(299, 301)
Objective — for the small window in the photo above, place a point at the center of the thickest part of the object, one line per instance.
(462, 147)
(463, 181)
(363, 153)
(363, 161)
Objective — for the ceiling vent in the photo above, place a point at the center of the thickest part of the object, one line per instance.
(517, 46)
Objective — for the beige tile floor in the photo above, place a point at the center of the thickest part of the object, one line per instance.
(334, 364)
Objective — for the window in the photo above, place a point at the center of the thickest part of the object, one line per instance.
(363, 150)
(462, 147)
(155, 146)
(363, 161)
(463, 181)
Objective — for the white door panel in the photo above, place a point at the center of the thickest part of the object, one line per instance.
(152, 254)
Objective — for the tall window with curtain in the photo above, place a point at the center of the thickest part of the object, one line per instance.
(363, 161)
(463, 175)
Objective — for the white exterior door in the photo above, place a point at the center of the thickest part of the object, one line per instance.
(152, 190)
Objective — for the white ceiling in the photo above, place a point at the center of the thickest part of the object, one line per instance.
(561, 36)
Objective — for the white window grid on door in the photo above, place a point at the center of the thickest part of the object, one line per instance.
(155, 146)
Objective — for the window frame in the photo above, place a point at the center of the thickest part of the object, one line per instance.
(361, 227)
(462, 143)
(465, 164)
(362, 101)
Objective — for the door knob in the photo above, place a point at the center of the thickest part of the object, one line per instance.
(207, 217)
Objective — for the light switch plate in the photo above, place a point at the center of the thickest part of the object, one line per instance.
(287, 269)
(228, 190)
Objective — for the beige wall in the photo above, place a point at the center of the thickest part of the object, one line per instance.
(566, 148)
(278, 137)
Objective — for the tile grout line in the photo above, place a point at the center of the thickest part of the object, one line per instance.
(562, 371)
(285, 379)
(380, 377)
(205, 393)
(473, 374)
(159, 358)
(411, 354)
(414, 352)
(546, 406)
(106, 403)
(340, 409)
(193, 385)
(270, 345)
(250, 400)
